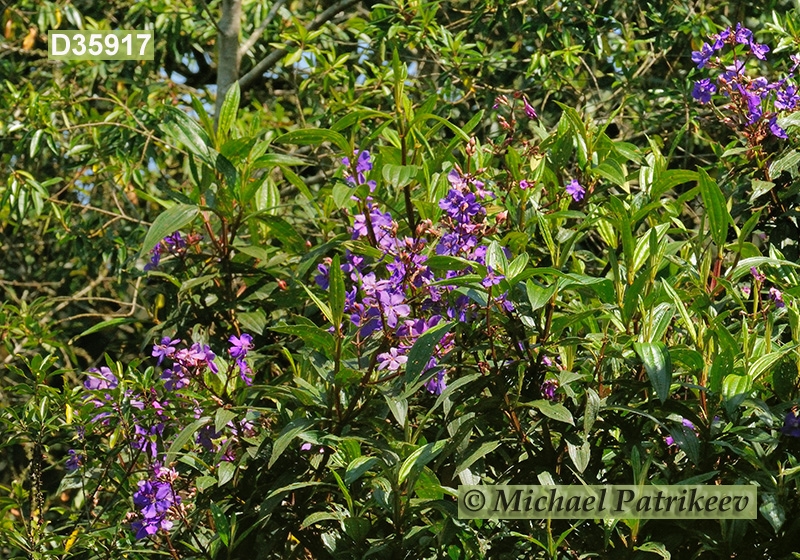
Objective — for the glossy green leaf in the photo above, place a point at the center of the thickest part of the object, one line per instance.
(168, 222)
(657, 362)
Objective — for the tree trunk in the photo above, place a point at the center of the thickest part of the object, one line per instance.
(230, 24)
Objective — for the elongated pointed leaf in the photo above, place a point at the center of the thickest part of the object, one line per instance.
(230, 107)
(658, 364)
(167, 223)
(291, 431)
(716, 209)
(419, 458)
(421, 352)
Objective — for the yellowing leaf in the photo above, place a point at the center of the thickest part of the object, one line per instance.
(29, 40)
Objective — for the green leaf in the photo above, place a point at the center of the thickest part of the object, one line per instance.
(423, 348)
(185, 436)
(225, 472)
(326, 311)
(592, 410)
(772, 511)
(399, 175)
(230, 107)
(283, 232)
(482, 451)
(785, 163)
(398, 407)
(275, 160)
(358, 467)
(580, 454)
(181, 127)
(221, 522)
(313, 336)
(222, 417)
(167, 223)
(306, 136)
(716, 209)
(686, 439)
(419, 458)
(658, 364)
(105, 324)
(734, 385)
(556, 411)
(764, 363)
(496, 258)
(671, 178)
(655, 548)
(204, 482)
(721, 366)
(289, 432)
(539, 296)
(681, 309)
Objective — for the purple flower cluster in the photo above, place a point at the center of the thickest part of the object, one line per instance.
(74, 461)
(754, 101)
(363, 164)
(239, 347)
(775, 295)
(187, 362)
(174, 244)
(575, 190)
(154, 499)
(381, 293)
(548, 390)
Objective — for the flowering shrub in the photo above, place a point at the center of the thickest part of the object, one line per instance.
(528, 302)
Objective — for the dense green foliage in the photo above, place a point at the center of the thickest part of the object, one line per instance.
(592, 278)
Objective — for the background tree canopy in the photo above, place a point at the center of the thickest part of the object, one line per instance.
(540, 271)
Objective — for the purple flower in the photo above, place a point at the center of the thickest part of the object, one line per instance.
(491, 279)
(393, 307)
(106, 379)
(391, 360)
(743, 34)
(322, 278)
(240, 345)
(733, 71)
(719, 40)
(363, 164)
(244, 371)
(791, 424)
(523, 184)
(436, 384)
(155, 259)
(153, 499)
(529, 111)
(575, 190)
(777, 130)
(787, 99)
(758, 50)
(164, 350)
(703, 90)
(776, 296)
(175, 241)
(757, 275)
(459, 206)
(746, 291)
(74, 461)
(549, 389)
(702, 56)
